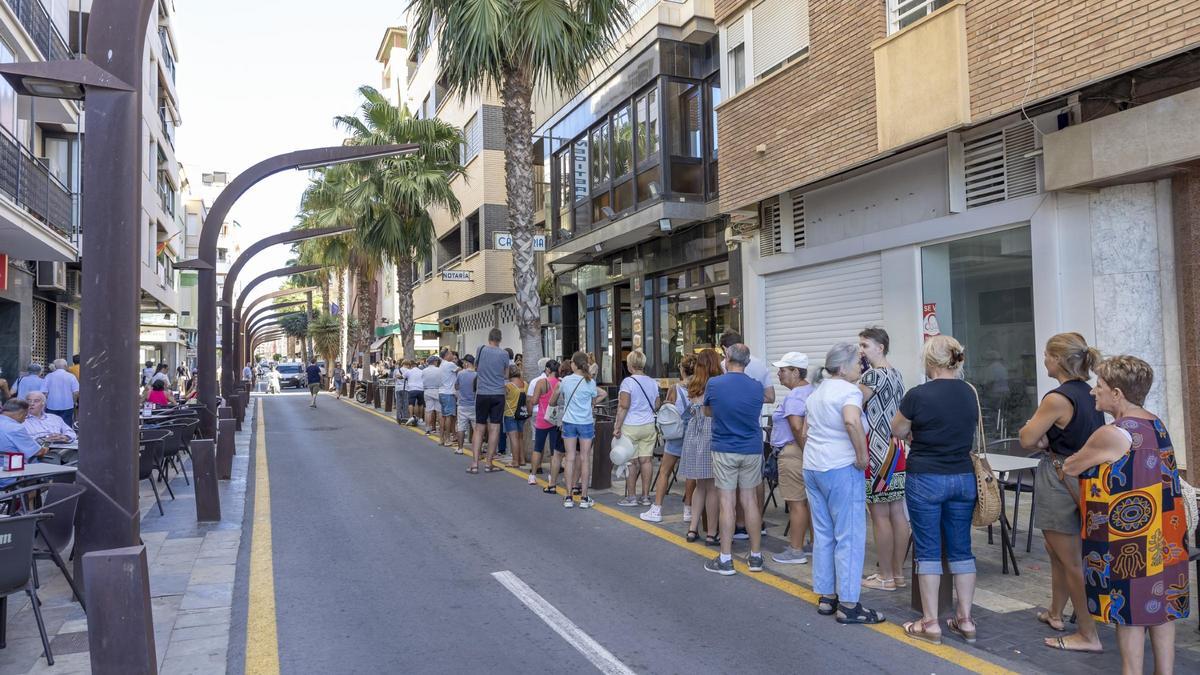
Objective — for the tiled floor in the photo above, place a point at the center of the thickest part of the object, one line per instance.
(192, 567)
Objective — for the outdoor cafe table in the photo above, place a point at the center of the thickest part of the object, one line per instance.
(38, 470)
(1002, 466)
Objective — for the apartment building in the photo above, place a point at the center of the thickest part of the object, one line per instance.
(998, 170)
(636, 247)
(466, 286)
(39, 184)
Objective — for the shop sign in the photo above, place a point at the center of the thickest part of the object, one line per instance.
(456, 275)
(929, 322)
(160, 335)
(503, 241)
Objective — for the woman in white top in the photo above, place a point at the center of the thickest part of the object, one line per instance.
(835, 460)
(636, 406)
(578, 393)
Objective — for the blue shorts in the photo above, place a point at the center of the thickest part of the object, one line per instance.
(541, 436)
(513, 424)
(449, 404)
(584, 432)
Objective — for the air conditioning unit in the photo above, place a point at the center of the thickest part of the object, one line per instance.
(52, 275)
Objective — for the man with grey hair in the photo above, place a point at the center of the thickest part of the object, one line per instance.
(734, 401)
(32, 381)
(42, 423)
(62, 392)
(14, 438)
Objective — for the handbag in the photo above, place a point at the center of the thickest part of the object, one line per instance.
(987, 488)
(555, 413)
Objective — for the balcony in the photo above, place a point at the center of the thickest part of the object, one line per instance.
(36, 21)
(167, 58)
(28, 182)
(168, 128)
(166, 196)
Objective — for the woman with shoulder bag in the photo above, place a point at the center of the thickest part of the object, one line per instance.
(578, 393)
(940, 419)
(697, 461)
(637, 405)
(544, 430)
(677, 397)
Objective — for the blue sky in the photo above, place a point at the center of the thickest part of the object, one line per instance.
(261, 77)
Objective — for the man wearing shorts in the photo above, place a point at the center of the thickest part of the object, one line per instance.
(491, 367)
(464, 386)
(433, 379)
(313, 372)
(734, 401)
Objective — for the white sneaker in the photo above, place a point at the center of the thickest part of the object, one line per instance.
(654, 515)
(586, 503)
(568, 502)
(687, 513)
(532, 480)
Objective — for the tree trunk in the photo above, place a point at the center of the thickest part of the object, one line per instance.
(517, 94)
(404, 284)
(366, 314)
(343, 293)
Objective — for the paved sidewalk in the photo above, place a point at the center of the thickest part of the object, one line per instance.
(192, 567)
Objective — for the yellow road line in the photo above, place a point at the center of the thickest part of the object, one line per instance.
(262, 642)
(892, 630)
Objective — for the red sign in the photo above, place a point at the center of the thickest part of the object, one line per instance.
(3, 271)
(929, 322)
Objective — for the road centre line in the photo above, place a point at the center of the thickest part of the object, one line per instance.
(593, 651)
(895, 631)
(262, 638)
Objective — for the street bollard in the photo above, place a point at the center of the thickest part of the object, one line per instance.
(235, 402)
(120, 624)
(602, 467)
(204, 480)
(389, 395)
(225, 444)
(375, 393)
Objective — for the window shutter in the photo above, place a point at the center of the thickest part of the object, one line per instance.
(473, 138)
(1020, 172)
(996, 166)
(798, 225)
(779, 30)
(735, 34)
(769, 235)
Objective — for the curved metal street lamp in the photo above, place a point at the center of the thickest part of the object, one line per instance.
(283, 292)
(283, 271)
(250, 317)
(269, 318)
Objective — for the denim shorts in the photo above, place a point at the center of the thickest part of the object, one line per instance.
(513, 424)
(584, 432)
(449, 404)
(940, 507)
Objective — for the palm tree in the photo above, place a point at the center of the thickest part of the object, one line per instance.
(393, 195)
(514, 47)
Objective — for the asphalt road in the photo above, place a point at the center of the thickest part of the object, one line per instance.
(389, 558)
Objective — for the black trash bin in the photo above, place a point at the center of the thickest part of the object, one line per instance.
(602, 467)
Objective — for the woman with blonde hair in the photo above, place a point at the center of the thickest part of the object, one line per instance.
(939, 419)
(637, 405)
(1062, 425)
(1134, 529)
(578, 393)
(673, 448)
(696, 461)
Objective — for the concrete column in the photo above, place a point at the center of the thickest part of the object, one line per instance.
(1185, 199)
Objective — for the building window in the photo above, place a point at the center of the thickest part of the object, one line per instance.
(472, 139)
(980, 290)
(903, 13)
(622, 133)
(685, 121)
(647, 127)
(735, 60)
(473, 236)
(779, 34)
(714, 99)
(449, 248)
(8, 97)
(600, 173)
(686, 311)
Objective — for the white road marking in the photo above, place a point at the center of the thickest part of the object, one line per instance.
(600, 657)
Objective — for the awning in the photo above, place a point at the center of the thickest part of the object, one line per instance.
(378, 344)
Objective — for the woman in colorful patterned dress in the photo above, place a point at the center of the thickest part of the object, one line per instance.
(882, 388)
(1134, 556)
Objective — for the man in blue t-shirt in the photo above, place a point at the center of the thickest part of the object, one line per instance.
(734, 401)
(313, 372)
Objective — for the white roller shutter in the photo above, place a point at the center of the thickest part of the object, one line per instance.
(778, 31)
(812, 308)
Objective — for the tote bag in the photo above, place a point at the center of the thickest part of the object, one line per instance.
(987, 488)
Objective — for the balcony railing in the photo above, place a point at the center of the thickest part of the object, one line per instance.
(167, 57)
(36, 21)
(28, 182)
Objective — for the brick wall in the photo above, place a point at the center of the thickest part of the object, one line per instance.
(818, 116)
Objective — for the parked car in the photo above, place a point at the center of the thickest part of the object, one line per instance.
(292, 375)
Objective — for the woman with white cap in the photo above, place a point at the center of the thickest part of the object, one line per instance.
(787, 440)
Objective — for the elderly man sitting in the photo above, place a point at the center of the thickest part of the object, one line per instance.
(13, 436)
(42, 424)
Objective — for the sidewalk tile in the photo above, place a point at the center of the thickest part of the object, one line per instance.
(190, 618)
(201, 596)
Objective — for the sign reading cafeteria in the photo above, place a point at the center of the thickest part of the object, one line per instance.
(456, 275)
(504, 242)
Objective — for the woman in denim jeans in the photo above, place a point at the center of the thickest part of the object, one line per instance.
(939, 419)
(835, 462)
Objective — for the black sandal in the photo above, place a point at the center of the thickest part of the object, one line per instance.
(827, 606)
(692, 536)
(859, 614)
(550, 490)
(710, 540)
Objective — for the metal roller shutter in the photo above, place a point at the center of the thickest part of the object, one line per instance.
(812, 308)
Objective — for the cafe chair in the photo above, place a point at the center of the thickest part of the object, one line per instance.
(16, 569)
(57, 534)
(150, 460)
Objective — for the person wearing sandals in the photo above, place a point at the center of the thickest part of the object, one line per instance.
(578, 393)
(1135, 527)
(696, 462)
(835, 460)
(787, 439)
(1064, 421)
(673, 448)
(514, 418)
(939, 419)
(882, 388)
(636, 407)
(545, 432)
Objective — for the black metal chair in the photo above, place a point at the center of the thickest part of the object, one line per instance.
(57, 535)
(1016, 482)
(183, 430)
(150, 459)
(16, 570)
